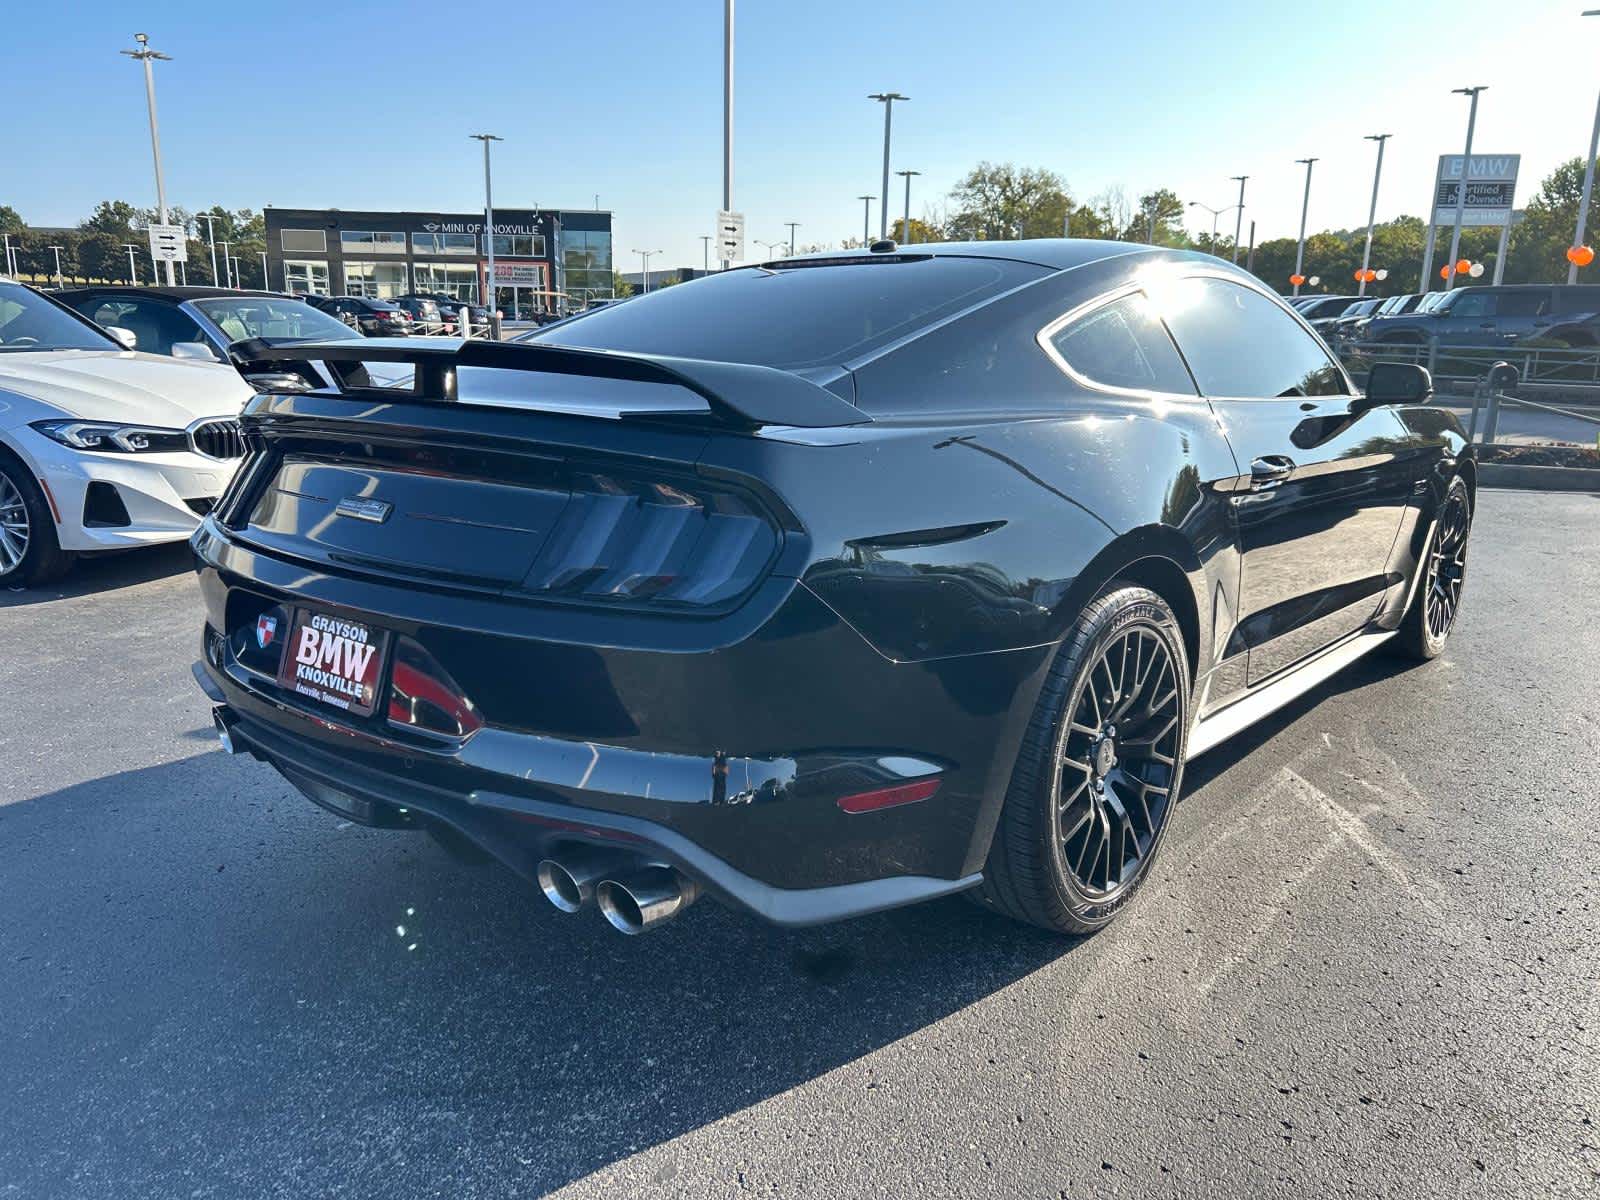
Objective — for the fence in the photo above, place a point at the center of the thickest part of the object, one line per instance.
(417, 328)
(1537, 366)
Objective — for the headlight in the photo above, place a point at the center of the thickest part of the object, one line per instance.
(110, 438)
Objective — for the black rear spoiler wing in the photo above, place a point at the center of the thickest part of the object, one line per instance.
(739, 394)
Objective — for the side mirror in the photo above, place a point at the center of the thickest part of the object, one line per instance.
(1397, 383)
(197, 350)
(128, 338)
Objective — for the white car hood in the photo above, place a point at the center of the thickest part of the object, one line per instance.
(124, 386)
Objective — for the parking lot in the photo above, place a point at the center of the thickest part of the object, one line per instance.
(1363, 967)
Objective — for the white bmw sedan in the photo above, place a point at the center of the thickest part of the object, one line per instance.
(102, 447)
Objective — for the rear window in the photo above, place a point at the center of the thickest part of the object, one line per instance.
(798, 317)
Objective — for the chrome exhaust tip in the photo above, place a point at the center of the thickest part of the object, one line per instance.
(224, 723)
(569, 882)
(645, 900)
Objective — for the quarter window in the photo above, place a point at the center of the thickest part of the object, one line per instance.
(1123, 345)
(1239, 343)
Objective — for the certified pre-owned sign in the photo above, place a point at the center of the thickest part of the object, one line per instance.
(1491, 189)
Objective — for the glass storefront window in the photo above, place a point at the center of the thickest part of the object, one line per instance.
(353, 241)
(518, 245)
(375, 279)
(305, 278)
(444, 243)
(459, 282)
(586, 260)
(303, 241)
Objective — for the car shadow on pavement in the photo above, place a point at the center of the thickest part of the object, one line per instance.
(106, 573)
(214, 984)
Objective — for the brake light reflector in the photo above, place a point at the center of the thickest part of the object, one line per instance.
(889, 797)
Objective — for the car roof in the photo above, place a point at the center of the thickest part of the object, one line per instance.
(192, 292)
(1057, 253)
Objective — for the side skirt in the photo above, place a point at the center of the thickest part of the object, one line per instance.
(1273, 695)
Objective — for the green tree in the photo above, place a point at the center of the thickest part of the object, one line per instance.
(1159, 220)
(10, 221)
(116, 217)
(921, 231)
(621, 289)
(997, 201)
(101, 256)
(1539, 242)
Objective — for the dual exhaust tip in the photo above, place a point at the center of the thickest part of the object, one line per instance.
(632, 899)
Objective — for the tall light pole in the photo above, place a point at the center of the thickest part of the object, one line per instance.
(266, 281)
(60, 282)
(133, 271)
(488, 230)
(727, 110)
(793, 225)
(644, 259)
(866, 218)
(11, 263)
(1372, 210)
(1588, 178)
(905, 224)
(887, 99)
(146, 56)
(1238, 221)
(227, 268)
(1466, 170)
(1305, 205)
(769, 245)
(211, 220)
(705, 253)
(1215, 213)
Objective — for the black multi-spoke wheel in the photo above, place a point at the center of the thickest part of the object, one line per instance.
(29, 550)
(1118, 761)
(1099, 770)
(1444, 572)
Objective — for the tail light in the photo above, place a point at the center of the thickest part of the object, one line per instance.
(423, 696)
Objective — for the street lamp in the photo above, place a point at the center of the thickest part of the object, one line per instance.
(1238, 221)
(211, 220)
(866, 218)
(146, 56)
(1215, 213)
(266, 281)
(727, 110)
(11, 263)
(1305, 204)
(227, 267)
(60, 282)
(488, 230)
(1372, 211)
(793, 225)
(133, 271)
(1466, 170)
(644, 259)
(1588, 188)
(705, 253)
(905, 225)
(887, 99)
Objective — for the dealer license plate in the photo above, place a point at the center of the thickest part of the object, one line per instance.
(334, 660)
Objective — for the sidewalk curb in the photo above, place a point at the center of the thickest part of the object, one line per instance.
(1539, 479)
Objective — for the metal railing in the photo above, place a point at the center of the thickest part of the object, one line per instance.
(1537, 366)
(416, 328)
(1494, 390)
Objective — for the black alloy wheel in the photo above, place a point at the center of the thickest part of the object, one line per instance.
(1433, 612)
(1099, 771)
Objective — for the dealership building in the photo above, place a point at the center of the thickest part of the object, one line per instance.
(545, 259)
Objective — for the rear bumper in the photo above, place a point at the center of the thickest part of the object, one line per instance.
(725, 758)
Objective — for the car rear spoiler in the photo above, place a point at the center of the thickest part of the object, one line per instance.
(740, 394)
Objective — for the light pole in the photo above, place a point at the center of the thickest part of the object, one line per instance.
(146, 56)
(887, 99)
(727, 110)
(644, 259)
(133, 271)
(769, 245)
(266, 281)
(705, 253)
(1305, 205)
(488, 231)
(1238, 221)
(227, 267)
(905, 224)
(11, 263)
(211, 220)
(60, 282)
(866, 218)
(1466, 170)
(1588, 179)
(1215, 213)
(793, 225)
(1372, 210)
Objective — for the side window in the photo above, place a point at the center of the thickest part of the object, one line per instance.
(1473, 304)
(1123, 345)
(158, 326)
(1239, 343)
(1524, 304)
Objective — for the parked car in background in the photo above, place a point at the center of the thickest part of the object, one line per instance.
(476, 313)
(1393, 306)
(1336, 329)
(1499, 316)
(375, 318)
(425, 311)
(185, 321)
(1073, 513)
(1326, 306)
(102, 447)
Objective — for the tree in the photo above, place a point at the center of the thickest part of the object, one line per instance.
(1158, 221)
(621, 289)
(116, 217)
(10, 221)
(921, 231)
(101, 256)
(1539, 243)
(997, 201)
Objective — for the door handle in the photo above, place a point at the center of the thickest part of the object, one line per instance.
(1270, 470)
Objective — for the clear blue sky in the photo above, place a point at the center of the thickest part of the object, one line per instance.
(354, 104)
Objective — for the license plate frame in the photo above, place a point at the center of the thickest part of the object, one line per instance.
(340, 667)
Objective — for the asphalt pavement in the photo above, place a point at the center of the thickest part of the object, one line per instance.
(1366, 964)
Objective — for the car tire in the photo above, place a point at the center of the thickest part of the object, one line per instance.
(1074, 807)
(31, 553)
(1432, 615)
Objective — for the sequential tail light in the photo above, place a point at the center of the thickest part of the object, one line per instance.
(889, 797)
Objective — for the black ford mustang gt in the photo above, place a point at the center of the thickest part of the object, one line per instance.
(827, 585)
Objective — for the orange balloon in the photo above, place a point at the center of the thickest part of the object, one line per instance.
(1463, 265)
(1297, 280)
(1444, 271)
(1582, 255)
